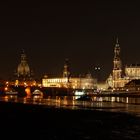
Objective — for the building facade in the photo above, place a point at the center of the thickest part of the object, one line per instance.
(23, 74)
(73, 82)
(118, 79)
(133, 71)
(117, 67)
(66, 81)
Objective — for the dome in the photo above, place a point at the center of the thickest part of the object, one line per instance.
(23, 69)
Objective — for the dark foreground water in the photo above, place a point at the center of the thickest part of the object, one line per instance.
(114, 104)
(57, 120)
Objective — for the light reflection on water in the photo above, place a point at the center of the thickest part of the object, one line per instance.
(128, 100)
(118, 104)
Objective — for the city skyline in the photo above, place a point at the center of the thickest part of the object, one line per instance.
(83, 32)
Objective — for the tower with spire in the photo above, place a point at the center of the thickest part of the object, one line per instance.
(66, 70)
(117, 68)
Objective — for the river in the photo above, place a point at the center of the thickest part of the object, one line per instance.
(115, 104)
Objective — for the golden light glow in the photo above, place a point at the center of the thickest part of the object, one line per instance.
(28, 91)
(81, 83)
(6, 88)
(7, 83)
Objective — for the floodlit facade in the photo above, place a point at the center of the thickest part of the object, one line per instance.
(118, 80)
(23, 71)
(23, 75)
(75, 83)
(66, 81)
(133, 71)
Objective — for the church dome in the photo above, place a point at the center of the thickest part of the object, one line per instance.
(23, 68)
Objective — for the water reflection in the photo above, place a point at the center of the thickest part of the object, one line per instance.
(10, 98)
(128, 100)
(68, 100)
(119, 104)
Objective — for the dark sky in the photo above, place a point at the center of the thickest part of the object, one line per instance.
(84, 32)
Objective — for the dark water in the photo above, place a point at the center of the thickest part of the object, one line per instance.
(65, 118)
(115, 104)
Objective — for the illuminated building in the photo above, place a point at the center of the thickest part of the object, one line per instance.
(23, 69)
(66, 81)
(75, 82)
(66, 71)
(23, 74)
(117, 67)
(133, 85)
(133, 71)
(117, 80)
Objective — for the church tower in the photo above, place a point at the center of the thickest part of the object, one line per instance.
(117, 68)
(66, 71)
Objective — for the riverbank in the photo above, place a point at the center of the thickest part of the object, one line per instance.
(33, 121)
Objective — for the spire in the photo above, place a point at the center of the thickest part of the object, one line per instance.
(117, 71)
(117, 50)
(117, 40)
(66, 71)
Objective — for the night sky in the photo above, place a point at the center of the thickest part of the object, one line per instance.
(84, 32)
